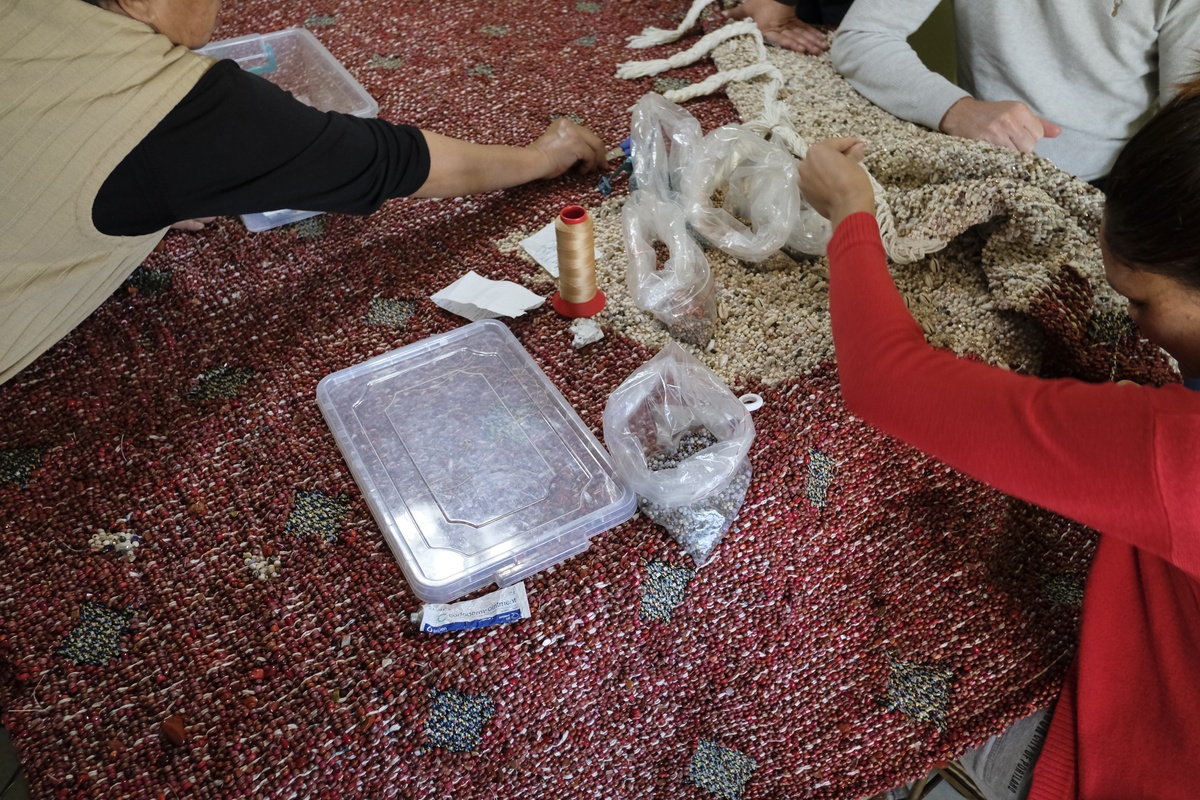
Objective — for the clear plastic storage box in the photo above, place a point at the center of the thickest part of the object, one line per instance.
(476, 468)
(296, 61)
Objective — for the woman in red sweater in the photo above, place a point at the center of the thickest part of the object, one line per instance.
(1122, 459)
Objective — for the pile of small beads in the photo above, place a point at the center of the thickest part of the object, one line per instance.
(699, 526)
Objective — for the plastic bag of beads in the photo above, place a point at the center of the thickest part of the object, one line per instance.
(662, 138)
(680, 439)
(679, 291)
(760, 184)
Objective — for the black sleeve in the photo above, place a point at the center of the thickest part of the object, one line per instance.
(820, 12)
(238, 144)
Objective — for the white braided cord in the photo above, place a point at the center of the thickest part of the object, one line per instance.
(774, 122)
(651, 37)
(642, 69)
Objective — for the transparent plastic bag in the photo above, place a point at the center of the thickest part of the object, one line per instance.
(680, 439)
(680, 295)
(811, 233)
(760, 183)
(663, 137)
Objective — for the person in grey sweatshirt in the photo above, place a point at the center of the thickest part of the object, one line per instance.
(1072, 80)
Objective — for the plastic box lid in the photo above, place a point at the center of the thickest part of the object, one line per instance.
(474, 465)
(296, 61)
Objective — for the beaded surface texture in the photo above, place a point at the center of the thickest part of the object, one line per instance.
(195, 601)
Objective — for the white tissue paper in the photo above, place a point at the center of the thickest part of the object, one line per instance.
(543, 246)
(476, 297)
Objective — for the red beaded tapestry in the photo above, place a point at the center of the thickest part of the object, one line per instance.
(195, 601)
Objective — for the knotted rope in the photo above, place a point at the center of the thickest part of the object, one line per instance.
(774, 123)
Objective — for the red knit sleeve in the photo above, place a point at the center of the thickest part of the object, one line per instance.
(1093, 452)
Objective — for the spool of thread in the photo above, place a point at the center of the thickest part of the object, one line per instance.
(577, 295)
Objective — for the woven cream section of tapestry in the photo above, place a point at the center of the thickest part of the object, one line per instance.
(1018, 272)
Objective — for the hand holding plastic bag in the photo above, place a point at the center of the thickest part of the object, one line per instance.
(680, 439)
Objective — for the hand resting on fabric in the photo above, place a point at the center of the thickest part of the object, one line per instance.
(779, 26)
(1006, 123)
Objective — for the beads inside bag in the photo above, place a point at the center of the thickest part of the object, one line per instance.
(701, 525)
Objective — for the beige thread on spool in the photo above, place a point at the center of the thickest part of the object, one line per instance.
(577, 294)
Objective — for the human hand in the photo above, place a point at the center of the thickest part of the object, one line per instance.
(833, 182)
(1005, 122)
(778, 24)
(458, 167)
(192, 224)
(565, 144)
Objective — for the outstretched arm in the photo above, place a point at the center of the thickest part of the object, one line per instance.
(238, 144)
(458, 167)
(1117, 458)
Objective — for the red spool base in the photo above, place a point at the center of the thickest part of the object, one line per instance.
(575, 310)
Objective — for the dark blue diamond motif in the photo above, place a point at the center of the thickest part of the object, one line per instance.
(18, 464)
(317, 514)
(390, 311)
(721, 770)
(456, 720)
(96, 639)
(920, 692)
(663, 589)
(820, 478)
(220, 382)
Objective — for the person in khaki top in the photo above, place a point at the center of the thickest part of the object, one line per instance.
(186, 22)
(112, 130)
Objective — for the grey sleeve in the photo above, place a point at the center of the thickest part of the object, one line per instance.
(870, 48)
(1178, 48)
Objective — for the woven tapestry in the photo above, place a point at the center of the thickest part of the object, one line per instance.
(196, 602)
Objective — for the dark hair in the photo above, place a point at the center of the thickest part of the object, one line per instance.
(1152, 210)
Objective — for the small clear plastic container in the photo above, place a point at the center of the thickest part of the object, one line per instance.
(474, 465)
(297, 62)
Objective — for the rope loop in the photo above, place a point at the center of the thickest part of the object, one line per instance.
(775, 121)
